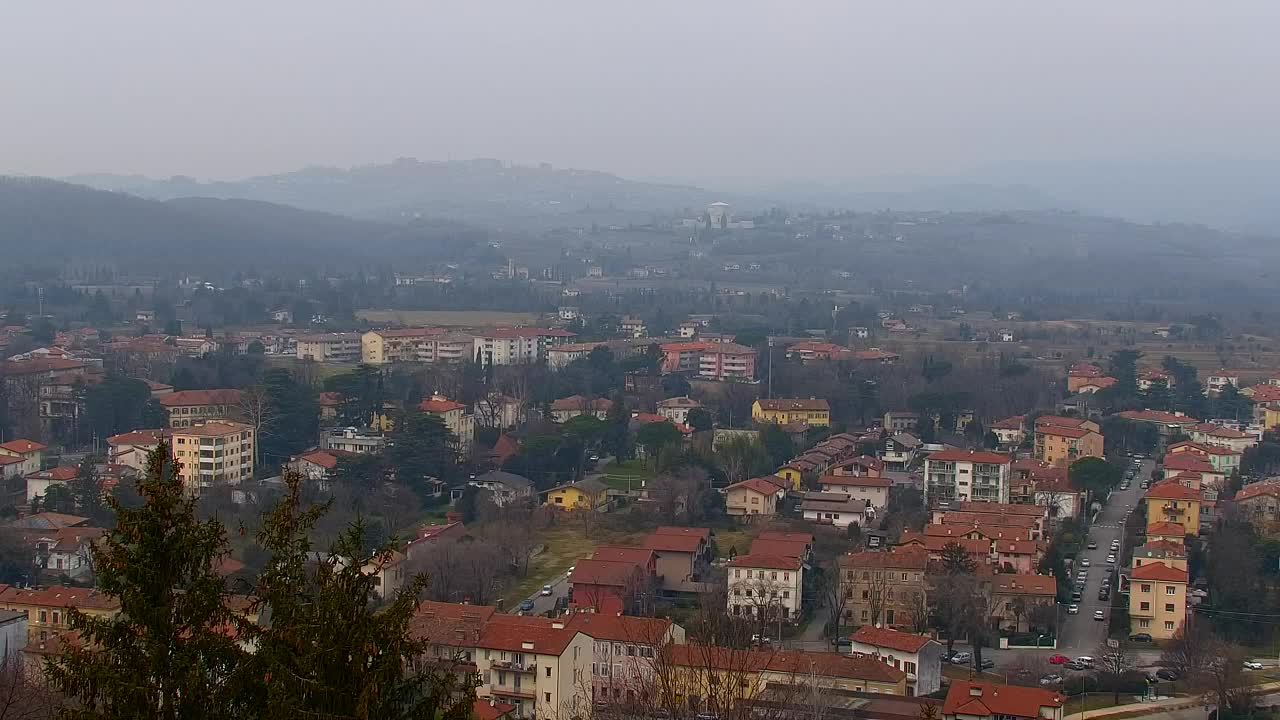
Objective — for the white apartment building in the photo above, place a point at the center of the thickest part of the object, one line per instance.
(516, 346)
(957, 475)
(768, 585)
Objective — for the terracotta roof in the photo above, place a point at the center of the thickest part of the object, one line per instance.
(491, 709)
(1270, 486)
(48, 521)
(1264, 393)
(439, 405)
(798, 662)
(1172, 490)
(11, 460)
(449, 623)
(1011, 584)
(182, 398)
(605, 572)
(1059, 421)
(892, 639)
(136, 437)
(991, 532)
(774, 562)
(974, 506)
(901, 558)
(673, 543)
(1158, 571)
(1071, 432)
(1012, 423)
(1187, 461)
(1166, 529)
(1196, 448)
(323, 458)
(622, 628)
(1162, 548)
(810, 404)
(58, 596)
(779, 547)
(40, 365)
(513, 633)
(760, 485)
(985, 699)
(936, 543)
(953, 517)
(621, 553)
(22, 446)
(330, 399)
(1158, 416)
(409, 332)
(978, 456)
(62, 473)
(855, 481)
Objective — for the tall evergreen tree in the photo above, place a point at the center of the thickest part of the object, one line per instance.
(327, 651)
(422, 446)
(167, 654)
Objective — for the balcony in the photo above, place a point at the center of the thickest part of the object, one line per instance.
(514, 666)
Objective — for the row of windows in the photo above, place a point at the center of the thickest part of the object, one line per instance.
(1145, 624)
(851, 575)
(603, 647)
(786, 594)
(773, 574)
(1168, 607)
(1168, 589)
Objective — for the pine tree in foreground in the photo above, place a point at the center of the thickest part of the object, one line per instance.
(169, 653)
(326, 652)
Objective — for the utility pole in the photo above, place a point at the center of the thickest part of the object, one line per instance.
(769, 350)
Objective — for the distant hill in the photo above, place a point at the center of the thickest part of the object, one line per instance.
(477, 191)
(49, 221)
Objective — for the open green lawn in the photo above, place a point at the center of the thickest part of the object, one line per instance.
(626, 476)
(564, 545)
(1093, 701)
(736, 538)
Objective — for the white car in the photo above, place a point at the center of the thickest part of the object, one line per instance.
(546, 590)
(1099, 615)
(1073, 609)
(1111, 559)
(1252, 665)
(1084, 562)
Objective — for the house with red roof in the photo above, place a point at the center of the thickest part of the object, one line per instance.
(187, 407)
(538, 665)
(1171, 501)
(624, 653)
(1010, 432)
(1222, 436)
(753, 498)
(1158, 599)
(871, 491)
(38, 483)
(681, 558)
(316, 464)
(20, 457)
(567, 408)
(919, 656)
(610, 585)
(1260, 502)
(456, 418)
(1184, 455)
(886, 588)
(765, 587)
(969, 700)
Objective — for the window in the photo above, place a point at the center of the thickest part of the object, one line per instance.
(786, 594)
(1170, 589)
(548, 671)
(909, 667)
(1146, 587)
(864, 616)
(1168, 624)
(773, 575)
(1144, 606)
(546, 696)
(904, 577)
(44, 616)
(1168, 607)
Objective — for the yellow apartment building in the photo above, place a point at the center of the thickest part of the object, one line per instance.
(781, 411)
(214, 452)
(1157, 599)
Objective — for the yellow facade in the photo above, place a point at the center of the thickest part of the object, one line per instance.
(1058, 449)
(1157, 604)
(1271, 416)
(791, 475)
(782, 412)
(1184, 512)
(214, 452)
(570, 497)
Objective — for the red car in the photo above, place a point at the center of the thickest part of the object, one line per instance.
(1058, 659)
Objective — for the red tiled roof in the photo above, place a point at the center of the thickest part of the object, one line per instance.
(1270, 486)
(691, 346)
(512, 633)
(953, 517)
(136, 437)
(62, 473)
(1166, 546)
(409, 332)
(892, 639)
(622, 628)
(1012, 423)
(779, 547)
(605, 572)
(985, 699)
(1059, 421)
(40, 365)
(935, 543)
(10, 460)
(1071, 432)
(809, 404)
(855, 481)
(1011, 584)
(798, 662)
(1159, 571)
(1158, 416)
(623, 553)
(673, 543)
(991, 532)
(774, 562)
(183, 398)
(59, 596)
(439, 405)
(962, 455)
(449, 623)
(1264, 393)
(973, 506)
(22, 446)
(1166, 529)
(1196, 448)
(1172, 490)
(760, 485)
(491, 710)
(323, 458)
(1187, 461)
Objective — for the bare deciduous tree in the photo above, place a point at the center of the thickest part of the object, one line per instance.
(23, 693)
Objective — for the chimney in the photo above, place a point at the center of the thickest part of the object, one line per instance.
(557, 624)
(975, 691)
(526, 645)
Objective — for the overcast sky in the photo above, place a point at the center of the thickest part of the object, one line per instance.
(705, 90)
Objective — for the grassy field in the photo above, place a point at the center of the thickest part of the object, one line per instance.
(617, 476)
(448, 318)
(564, 545)
(736, 538)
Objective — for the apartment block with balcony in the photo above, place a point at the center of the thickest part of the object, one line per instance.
(214, 452)
(1157, 599)
(1169, 501)
(1063, 444)
(966, 475)
(329, 347)
(540, 666)
(186, 407)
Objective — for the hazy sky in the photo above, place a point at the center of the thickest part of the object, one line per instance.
(698, 89)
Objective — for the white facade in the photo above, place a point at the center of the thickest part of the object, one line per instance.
(539, 685)
(923, 667)
(768, 590)
(677, 409)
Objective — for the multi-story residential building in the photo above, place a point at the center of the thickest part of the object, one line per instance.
(1157, 599)
(403, 345)
(1222, 436)
(67, 551)
(900, 451)
(456, 418)
(329, 347)
(753, 497)
(966, 475)
(1223, 461)
(968, 700)
(1010, 432)
(896, 421)
(516, 346)
(728, 362)
(46, 608)
(541, 666)
(885, 588)
(353, 440)
(677, 409)
(214, 452)
(1171, 501)
(1034, 519)
(185, 407)
(38, 482)
(766, 587)
(132, 448)
(567, 408)
(1260, 502)
(623, 653)
(1016, 596)
(681, 557)
(585, 494)
(873, 491)
(683, 357)
(20, 457)
(919, 656)
(783, 411)
(1217, 382)
(1063, 440)
(1169, 552)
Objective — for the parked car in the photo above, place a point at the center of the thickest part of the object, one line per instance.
(546, 590)
(1099, 615)
(1252, 665)
(1075, 665)
(1085, 660)
(1140, 637)
(1093, 545)
(988, 663)
(1166, 674)
(843, 644)
(1111, 559)
(961, 658)
(1084, 562)
(1058, 659)
(1050, 679)
(526, 605)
